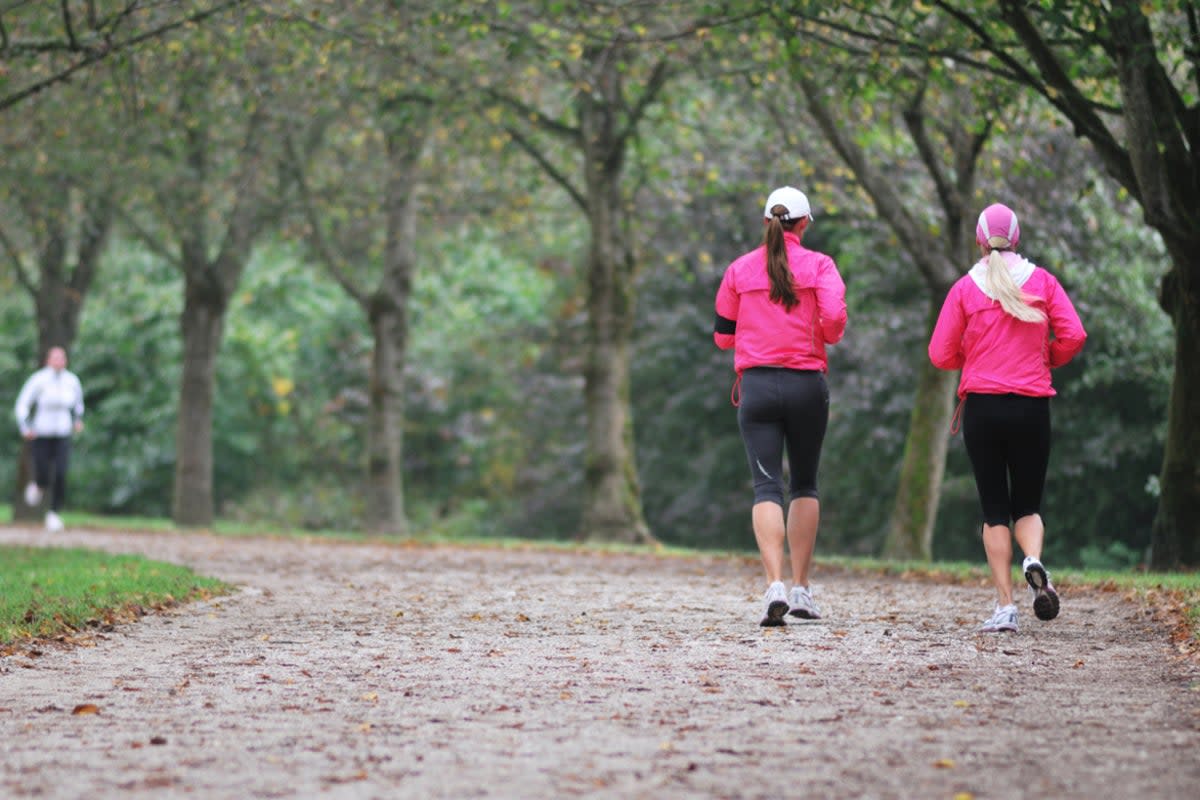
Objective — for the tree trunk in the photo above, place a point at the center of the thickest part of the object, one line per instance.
(612, 509)
(613, 503)
(385, 434)
(407, 121)
(1175, 536)
(914, 512)
(202, 325)
(1161, 138)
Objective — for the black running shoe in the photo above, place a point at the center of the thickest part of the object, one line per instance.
(1045, 599)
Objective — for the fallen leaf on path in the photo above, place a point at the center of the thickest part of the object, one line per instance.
(944, 763)
(361, 775)
(85, 708)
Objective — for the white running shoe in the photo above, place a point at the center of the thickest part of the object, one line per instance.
(33, 494)
(54, 523)
(777, 605)
(1003, 619)
(1045, 599)
(801, 603)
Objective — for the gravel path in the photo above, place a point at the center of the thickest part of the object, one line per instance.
(375, 671)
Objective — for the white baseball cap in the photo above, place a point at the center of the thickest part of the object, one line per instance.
(791, 198)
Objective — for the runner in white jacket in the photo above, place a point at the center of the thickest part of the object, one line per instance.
(54, 397)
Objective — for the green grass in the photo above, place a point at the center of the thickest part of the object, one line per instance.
(50, 592)
(1177, 594)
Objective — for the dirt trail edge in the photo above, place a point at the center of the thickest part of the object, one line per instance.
(375, 671)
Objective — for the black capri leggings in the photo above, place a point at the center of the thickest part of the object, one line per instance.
(1008, 441)
(783, 406)
(51, 455)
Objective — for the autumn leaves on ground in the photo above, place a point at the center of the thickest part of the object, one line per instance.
(373, 670)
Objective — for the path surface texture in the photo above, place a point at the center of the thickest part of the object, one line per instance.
(373, 671)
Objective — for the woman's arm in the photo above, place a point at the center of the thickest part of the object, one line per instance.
(945, 345)
(727, 304)
(1069, 334)
(831, 302)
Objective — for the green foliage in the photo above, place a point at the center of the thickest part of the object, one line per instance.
(481, 317)
(291, 396)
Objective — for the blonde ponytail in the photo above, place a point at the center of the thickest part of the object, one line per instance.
(1000, 285)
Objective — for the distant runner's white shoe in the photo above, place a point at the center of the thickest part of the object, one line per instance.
(801, 604)
(33, 495)
(777, 605)
(1003, 619)
(1045, 599)
(54, 523)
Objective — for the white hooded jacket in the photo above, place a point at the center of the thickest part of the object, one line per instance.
(56, 399)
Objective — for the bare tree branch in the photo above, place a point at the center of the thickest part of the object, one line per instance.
(23, 276)
(926, 251)
(152, 242)
(914, 120)
(68, 26)
(1068, 99)
(659, 76)
(106, 48)
(558, 177)
(99, 212)
(333, 261)
(536, 115)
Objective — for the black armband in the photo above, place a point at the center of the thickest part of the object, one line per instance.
(724, 325)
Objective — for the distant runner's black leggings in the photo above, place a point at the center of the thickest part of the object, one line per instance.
(51, 455)
(781, 407)
(1008, 441)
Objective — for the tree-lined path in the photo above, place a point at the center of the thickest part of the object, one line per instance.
(370, 670)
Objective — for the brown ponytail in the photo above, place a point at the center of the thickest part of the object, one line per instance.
(778, 269)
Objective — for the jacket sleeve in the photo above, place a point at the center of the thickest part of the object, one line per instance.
(78, 408)
(725, 325)
(25, 400)
(1069, 334)
(831, 302)
(945, 346)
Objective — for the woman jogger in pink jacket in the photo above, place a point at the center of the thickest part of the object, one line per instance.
(777, 308)
(1006, 324)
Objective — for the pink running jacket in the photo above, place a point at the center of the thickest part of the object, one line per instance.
(998, 353)
(766, 333)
